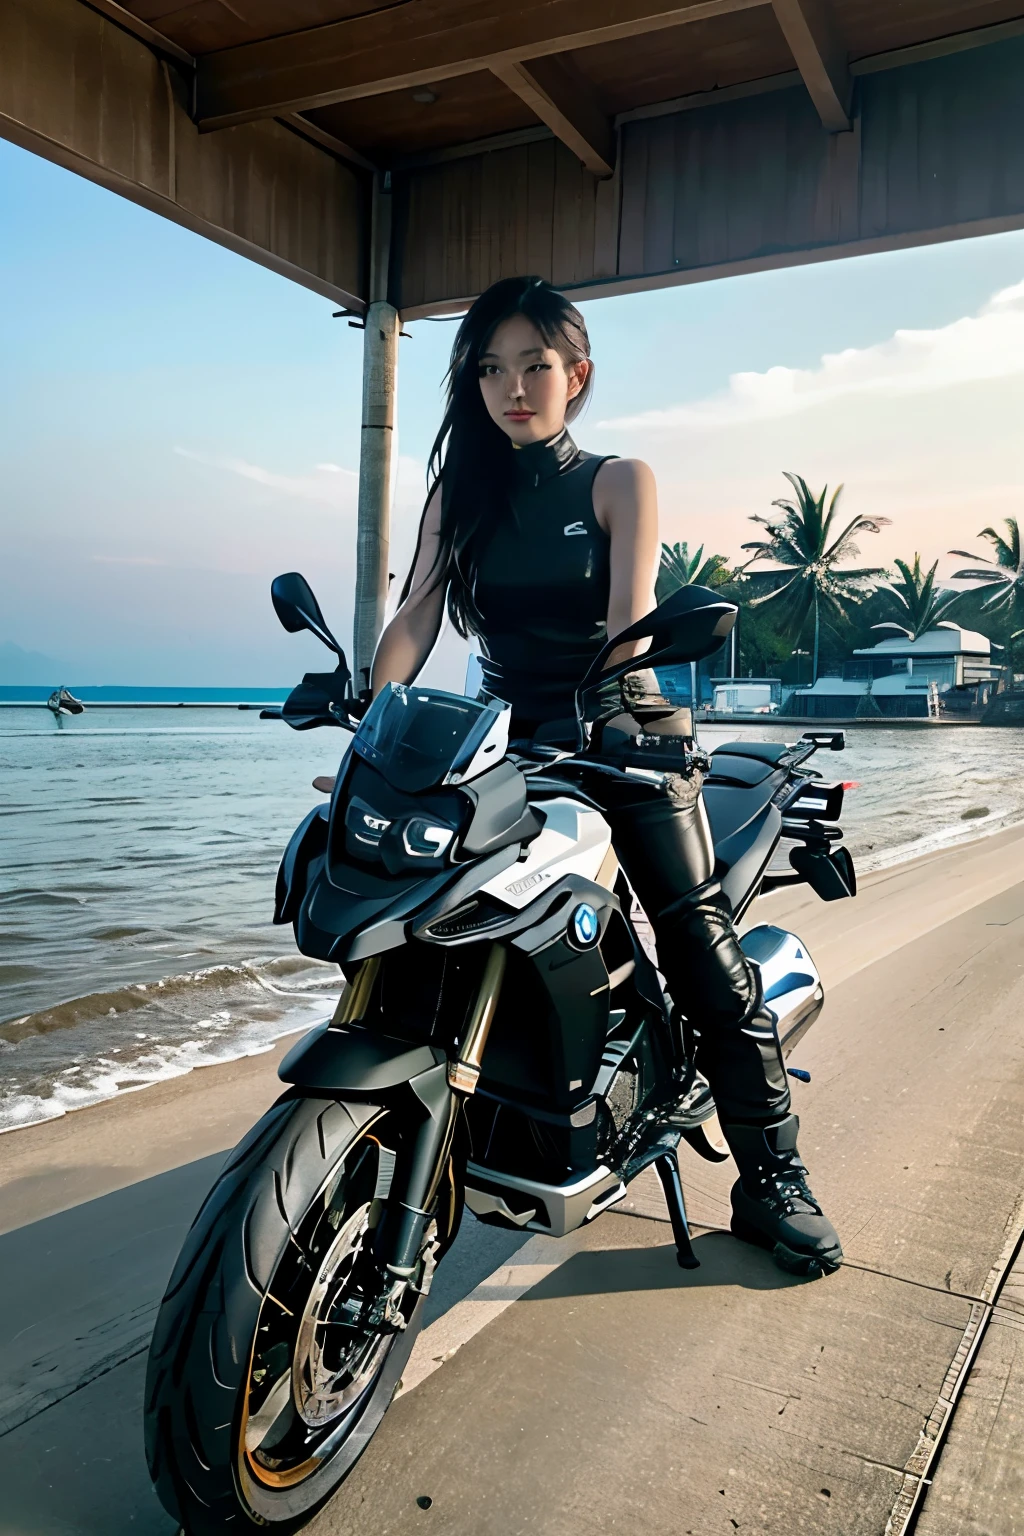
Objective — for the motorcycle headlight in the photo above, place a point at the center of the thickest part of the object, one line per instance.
(423, 839)
(420, 842)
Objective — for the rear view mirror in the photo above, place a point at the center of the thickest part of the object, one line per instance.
(297, 608)
(691, 624)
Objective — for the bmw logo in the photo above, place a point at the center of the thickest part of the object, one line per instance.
(585, 926)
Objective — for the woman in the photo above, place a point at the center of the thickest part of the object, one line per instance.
(543, 551)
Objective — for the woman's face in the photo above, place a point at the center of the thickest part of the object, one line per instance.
(526, 385)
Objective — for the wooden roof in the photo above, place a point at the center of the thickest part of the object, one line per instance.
(416, 150)
(392, 80)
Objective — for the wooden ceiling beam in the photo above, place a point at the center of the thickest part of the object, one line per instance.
(329, 141)
(165, 48)
(560, 96)
(809, 28)
(129, 22)
(416, 43)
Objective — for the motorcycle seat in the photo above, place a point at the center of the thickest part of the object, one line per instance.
(771, 752)
(738, 769)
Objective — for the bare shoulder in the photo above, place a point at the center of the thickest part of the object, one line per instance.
(624, 477)
(625, 494)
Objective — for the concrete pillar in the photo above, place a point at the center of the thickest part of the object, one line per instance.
(380, 359)
(380, 364)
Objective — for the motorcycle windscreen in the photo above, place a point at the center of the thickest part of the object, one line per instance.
(417, 737)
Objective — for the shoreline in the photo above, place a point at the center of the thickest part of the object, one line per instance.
(877, 723)
(980, 829)
(165, 1059)
(870, 871)
(129, 1089)
(54, 1164)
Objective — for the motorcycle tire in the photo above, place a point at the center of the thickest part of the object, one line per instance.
(250, 1420)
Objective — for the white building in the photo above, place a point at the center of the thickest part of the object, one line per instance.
(896, 676)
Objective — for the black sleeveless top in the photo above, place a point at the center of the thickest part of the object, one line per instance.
(542, 584)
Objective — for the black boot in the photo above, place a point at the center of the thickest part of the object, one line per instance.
(772, 1204)
(695, 1103)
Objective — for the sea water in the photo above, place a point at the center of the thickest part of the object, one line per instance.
(138, 852)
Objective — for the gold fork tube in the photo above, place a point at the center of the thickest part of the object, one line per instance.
(464, 1074)
(353, 1001)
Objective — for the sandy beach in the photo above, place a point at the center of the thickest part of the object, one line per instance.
(771, 1390)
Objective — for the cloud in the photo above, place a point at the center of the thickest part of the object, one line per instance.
(326, 484)
(988, 345)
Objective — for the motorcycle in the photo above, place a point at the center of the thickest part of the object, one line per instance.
(503, 1043)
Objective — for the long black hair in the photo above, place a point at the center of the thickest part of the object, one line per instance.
(471, 455)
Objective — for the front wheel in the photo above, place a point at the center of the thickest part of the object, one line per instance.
(275, 1354)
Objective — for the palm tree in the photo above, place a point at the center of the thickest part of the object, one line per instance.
(801, 543)
(679, 569)
(920, 607)
(1005, 573)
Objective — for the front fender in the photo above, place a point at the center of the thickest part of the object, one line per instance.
(340, 1059)
(308, 842)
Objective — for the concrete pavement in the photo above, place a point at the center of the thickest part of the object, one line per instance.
(620, 1391)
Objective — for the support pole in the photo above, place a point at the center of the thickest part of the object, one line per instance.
(380, 362)
(380, 357)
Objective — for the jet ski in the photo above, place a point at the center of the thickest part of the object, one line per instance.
(63, 702)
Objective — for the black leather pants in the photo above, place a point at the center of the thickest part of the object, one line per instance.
(662, 838)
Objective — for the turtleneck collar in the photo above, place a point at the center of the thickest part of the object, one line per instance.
(537, 462)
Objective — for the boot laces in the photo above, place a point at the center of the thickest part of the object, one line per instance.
(786, 1190)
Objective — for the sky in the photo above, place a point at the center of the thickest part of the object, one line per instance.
(178, 424)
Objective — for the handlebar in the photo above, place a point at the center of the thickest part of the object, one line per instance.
(533, 759)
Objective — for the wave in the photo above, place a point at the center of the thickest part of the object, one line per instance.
(195, 985)
(107, 1079)
(102, 1044)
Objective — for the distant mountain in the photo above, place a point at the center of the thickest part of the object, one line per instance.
(19, 666)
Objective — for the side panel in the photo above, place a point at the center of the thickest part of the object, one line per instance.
(574, 841)
(747, 854)
(551, 1025)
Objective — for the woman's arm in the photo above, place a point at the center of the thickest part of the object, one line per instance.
(626, 506)
(410, 637)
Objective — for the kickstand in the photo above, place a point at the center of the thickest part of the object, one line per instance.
(668, 1173)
